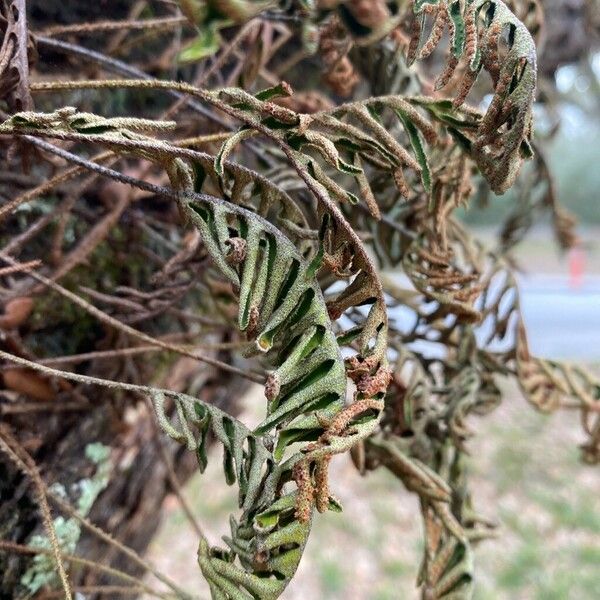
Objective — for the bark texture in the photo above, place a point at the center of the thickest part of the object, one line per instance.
(130, 506)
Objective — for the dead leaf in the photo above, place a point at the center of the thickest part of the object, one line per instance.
(28, 383)
(16, 312)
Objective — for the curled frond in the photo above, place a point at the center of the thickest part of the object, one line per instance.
(484, 34)
(550, 385)
(433, 274)
(282, 310)
(17, 54)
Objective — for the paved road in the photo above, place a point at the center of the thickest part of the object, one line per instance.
(562, 322)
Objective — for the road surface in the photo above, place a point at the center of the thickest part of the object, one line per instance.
(562, 322)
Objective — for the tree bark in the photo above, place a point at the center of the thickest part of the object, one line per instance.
(130, 506)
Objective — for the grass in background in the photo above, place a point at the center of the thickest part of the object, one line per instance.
(526, 474)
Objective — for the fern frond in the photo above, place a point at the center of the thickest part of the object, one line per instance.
(484, 34)
(282, 309)
(432, 273)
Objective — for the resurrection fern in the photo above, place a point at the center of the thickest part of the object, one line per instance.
(484, 34)
(281, 307)
(309, 226)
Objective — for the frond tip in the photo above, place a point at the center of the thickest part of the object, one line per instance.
(485, 34)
